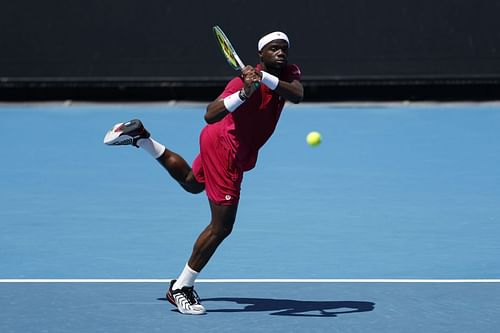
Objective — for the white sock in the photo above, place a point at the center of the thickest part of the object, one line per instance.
(186, 279)
(153, 147)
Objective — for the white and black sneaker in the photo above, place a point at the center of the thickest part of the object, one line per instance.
(126, 133)
(185, 299)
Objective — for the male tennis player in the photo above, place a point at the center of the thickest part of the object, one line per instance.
(239, 122)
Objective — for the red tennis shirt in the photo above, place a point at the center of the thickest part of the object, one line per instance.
(248, 128)
(231, 146)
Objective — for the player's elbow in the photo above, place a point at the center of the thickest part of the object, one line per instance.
(296, 98)
(208, 118)
(215, 112)
(209, 114)
(297, 93)
(211, 117)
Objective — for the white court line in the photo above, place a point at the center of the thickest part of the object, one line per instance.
(253, 280)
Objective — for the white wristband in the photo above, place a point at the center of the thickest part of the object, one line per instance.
(270, 80)
(232, 102)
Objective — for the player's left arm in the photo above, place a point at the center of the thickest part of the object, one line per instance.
(287, 85)
(291, 91)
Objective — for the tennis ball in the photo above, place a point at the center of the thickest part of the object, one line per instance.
(313, 139)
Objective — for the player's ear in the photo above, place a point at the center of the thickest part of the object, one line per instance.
(260, 56)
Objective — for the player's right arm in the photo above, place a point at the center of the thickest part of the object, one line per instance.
(235, 94)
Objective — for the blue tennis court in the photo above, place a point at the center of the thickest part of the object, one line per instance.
(390, 225)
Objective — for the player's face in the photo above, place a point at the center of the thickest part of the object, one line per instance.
(275, 54)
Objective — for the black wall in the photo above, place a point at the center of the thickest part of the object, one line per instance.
(145, 44)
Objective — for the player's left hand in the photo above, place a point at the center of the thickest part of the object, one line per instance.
(250, 77)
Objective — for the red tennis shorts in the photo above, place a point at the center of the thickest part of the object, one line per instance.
(216, 167)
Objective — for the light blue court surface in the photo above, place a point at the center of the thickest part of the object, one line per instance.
(393, 192)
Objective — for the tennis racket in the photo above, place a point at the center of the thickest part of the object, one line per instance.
(228, 51)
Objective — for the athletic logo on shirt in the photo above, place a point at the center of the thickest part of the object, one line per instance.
(228, 197)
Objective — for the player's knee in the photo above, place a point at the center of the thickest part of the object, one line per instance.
(193, 187)
(222, 232)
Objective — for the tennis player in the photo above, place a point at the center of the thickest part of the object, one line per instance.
(239, 122)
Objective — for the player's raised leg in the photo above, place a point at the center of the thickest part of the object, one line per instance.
(133, 133)
(180, 170)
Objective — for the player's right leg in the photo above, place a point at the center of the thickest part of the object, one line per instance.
(133, 133)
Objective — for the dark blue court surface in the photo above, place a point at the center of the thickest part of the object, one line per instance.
(393, 192)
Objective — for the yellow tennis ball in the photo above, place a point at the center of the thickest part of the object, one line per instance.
(313, 139)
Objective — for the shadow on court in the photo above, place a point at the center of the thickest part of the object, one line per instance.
(287, 307)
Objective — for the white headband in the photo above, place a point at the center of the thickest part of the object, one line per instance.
(272, 36)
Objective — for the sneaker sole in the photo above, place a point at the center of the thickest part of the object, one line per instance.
(114, 136)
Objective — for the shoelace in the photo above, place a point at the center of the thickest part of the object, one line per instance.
(191, 295)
